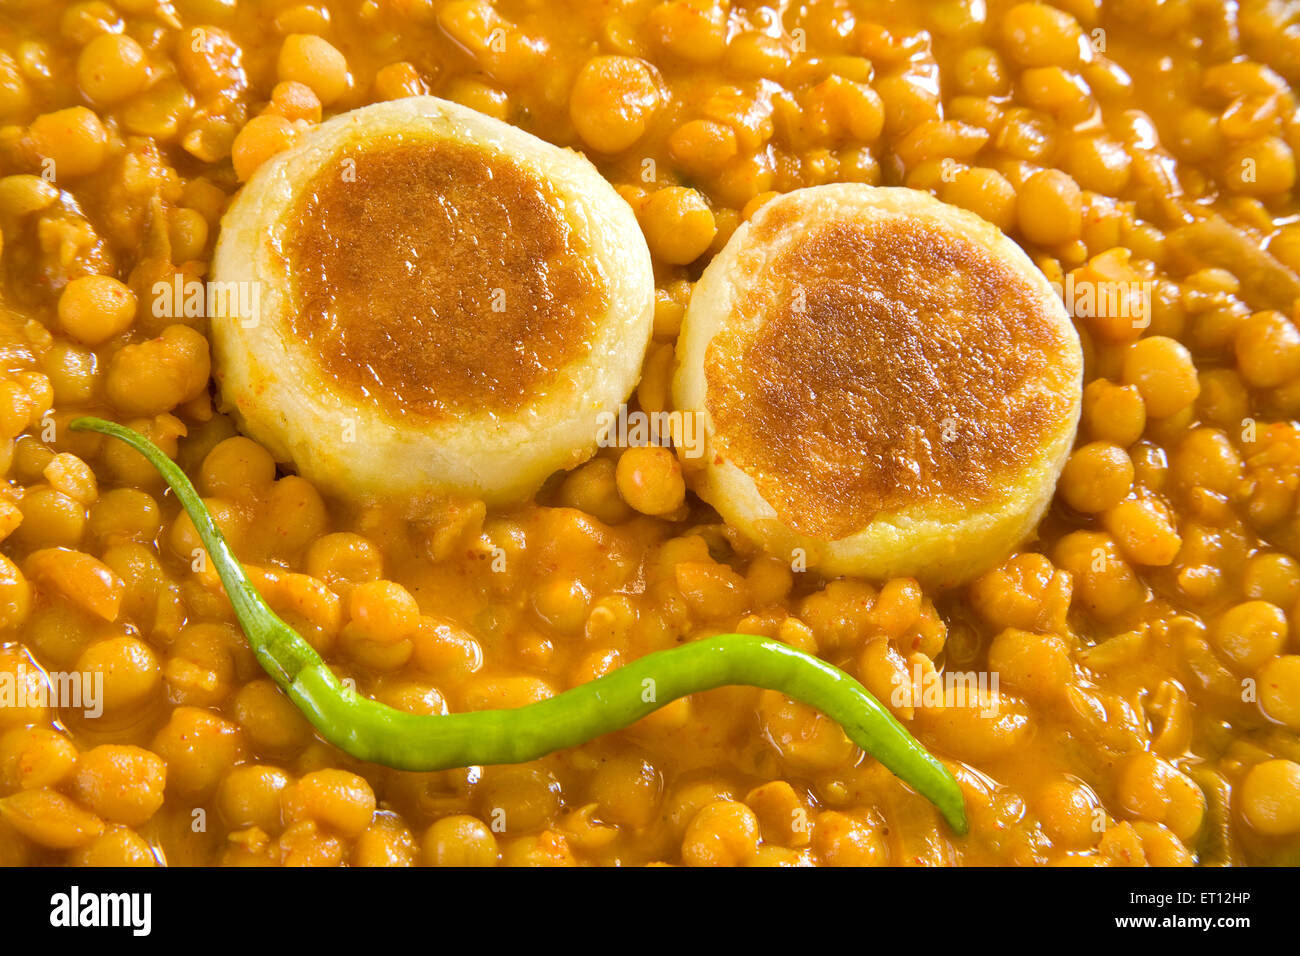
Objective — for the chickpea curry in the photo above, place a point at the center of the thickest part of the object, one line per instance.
(1131, 673)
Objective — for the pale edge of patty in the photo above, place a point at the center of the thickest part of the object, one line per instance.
(274, 386)
(933, 541)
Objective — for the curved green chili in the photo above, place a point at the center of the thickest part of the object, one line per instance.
(371, 731)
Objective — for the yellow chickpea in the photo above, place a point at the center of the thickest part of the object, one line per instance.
(780, 856)
(445, 651)
(73, 373)
(484, 97)
(977, 724)
(341, 801)
(157, 375)
(1270, 798)
(315, 62)
(1113, 413)
(49, 819)
(383, 621)
(547, 848)
(1250, 634)
(34, 757)
(1206, 458)
(756, 54)
(1263, 167)
(188, 233)
(116, 846)
(122, 784)
(15, 595)
(306, 844)
(131, 672)
(1069, 813)
(839, 614)
(691, 796)
(518, 798)
(74, 140)
(593, 488)
(343, 561)
(237, 468)
(1100, 164)
(460, 841)
(184, 537)
(71, 476)
(294, 514)
(885, 673)
(381, 609)
(1104, 581)
(1164, 374)
(1268, 350)
(985, 192)
(694, 31)
(1160, 846)
(628, 790)
(271, 723)
(1154, 789)
(397, 80)
(298, 101)
(1097, 477)
(840, 839)
(1272, 577)
(112, 68)
(703, 147)
(83, 581)
(258, 140)
(1144, 530)
(781, 813)
(386, 842)
(713, 591)
(1037, 35)
(1050, 208)
(210, 60)
(613, 100)
(650, 480)
(15, 92)
(1279, 690)
(19, 672)
(249, 796)
(1036, 665)
(769, 580)
(50, 519)
(678, 224)
(979, 71)
(805, 738)
(93, 309)
(724, 833)
(199, 747)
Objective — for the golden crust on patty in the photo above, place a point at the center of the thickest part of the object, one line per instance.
(445, 304)
(476, 327)
(884, 381)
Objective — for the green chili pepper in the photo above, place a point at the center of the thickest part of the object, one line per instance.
(371, 731)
